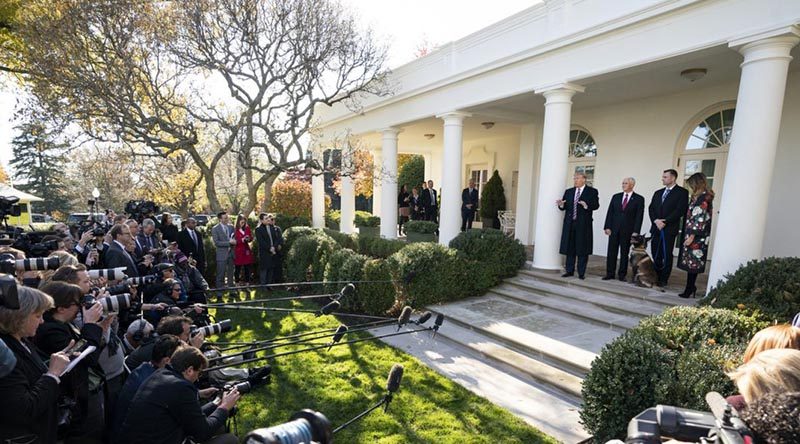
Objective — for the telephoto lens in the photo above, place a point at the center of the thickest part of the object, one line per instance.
(243, 387)
(215, 329)
(141, 280)
(37, 263)
(112, 274)
(113, 304)
(305, 427)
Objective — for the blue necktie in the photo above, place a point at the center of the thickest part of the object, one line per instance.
(664, 196)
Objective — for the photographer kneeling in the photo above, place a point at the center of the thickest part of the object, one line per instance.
(29, 393)
(166, 409)
(179, 326)
(84, 384)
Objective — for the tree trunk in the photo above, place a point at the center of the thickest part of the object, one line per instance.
(252, 192)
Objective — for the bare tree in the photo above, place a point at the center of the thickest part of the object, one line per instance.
(143, 73)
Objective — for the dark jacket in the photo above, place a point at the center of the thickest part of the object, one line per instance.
(126, 395)
(672, 210)
(169, 233)
(142, 354)
(166, 410)
(468, 197)
(117, 257)
(29, 398)
(583, 222)
(265, 257)
(401, 199)
(189, 248)
(625, 222)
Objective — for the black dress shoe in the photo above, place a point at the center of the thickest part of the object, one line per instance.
(566, 275)
(581, 277)
(608, 278)
(622, 278)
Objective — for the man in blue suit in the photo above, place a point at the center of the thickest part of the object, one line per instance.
(469, 203)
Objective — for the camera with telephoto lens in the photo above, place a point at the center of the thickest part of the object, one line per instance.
(305, 426)
(140, 209)
(214, 329)
(112, 274)
(141, 280)
(32, 242)
(9, 206)
(9, 298)
(110, 304)
(10, 264)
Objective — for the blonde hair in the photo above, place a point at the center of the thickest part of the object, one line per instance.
(776, 336)
(31, 301)
(771, 371)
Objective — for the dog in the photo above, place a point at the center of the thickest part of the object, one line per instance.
(644, 271)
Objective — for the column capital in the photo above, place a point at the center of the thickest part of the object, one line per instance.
(559, 92)
(390, 132)
(453, 117)
(775, 44)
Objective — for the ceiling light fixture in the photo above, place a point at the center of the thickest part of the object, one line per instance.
(429, 136)
(487, 125)
(693, 74)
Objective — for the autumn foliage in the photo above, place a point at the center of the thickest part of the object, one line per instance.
(292, 198)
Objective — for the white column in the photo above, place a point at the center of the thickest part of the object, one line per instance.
(450, 211)
(428, 168)
(389, 183)
(751, 157)
(318, 193)
(525, 183)
(552, 174)
(348, 193)
(377, 188)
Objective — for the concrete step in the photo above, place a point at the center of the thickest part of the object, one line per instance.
(607, 301)
(548, 410)
(562, 356)
(571, 308)
(595, 284)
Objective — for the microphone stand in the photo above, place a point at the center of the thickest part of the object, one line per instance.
(292, 310)
(384, 401)
(295, 284)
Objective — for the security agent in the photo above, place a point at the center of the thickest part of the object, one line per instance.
(166, 410)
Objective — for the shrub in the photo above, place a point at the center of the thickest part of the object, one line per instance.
(333, 219)
(671, 358)
(502, 254)
(378, 247)
(771, 286)
(345, 240)
(493, 199)
(346, 265)
(412, 172)
(292, 198)
(309, 254)
(286, 222)
(420, 226)
(366, 219)
(292, 234)
(377, 298)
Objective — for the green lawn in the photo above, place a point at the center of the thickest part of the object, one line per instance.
(428, 408)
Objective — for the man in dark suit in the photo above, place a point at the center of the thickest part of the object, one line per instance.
(469, 203)
(576, 233)
(270, 242)
(624, 217)
(166, 410)
(667, 209)
(190, 242)
(432, 210)
(117, 255)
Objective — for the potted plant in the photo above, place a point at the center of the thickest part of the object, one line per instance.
(420, 231)
(493, 199)
(368, 225)
(332, 219)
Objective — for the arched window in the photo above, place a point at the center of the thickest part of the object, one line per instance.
(582, 155)
(714, 131)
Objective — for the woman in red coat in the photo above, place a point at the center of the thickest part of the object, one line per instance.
(242, 254)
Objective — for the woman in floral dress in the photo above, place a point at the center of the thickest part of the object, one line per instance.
(696, 232)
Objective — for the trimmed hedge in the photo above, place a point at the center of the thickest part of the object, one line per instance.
(503, 254)
(377, 298)
(770, 286)
(420, 226)
(366, 219)
(345, 265)
(286, 222)
(307, 256)
(378, 247)
(673, 358)
(344, 240)
(292, 234)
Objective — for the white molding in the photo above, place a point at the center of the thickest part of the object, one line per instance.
(753, 36)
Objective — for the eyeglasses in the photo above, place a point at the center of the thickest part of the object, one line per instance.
(176, 289)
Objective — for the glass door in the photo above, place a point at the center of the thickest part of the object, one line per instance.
(713, 166)
(480, 175)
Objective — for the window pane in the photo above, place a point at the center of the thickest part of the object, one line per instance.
(588, 170)
(695, 143)
(692, 166)
(708, 167)
(713, 132)
(727, 117)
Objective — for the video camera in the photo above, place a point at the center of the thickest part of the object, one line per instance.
(31, 242)
(8, 292)
(10, 264)
(9, 206)
(140, 209)
(721, 426)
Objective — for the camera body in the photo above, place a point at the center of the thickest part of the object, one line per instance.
(140, 209)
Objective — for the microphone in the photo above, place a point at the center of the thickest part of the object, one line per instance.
(347, 290)
(424, 318)
(337, 336)
(392, 384)
(405, 316)
(437, 323)
(329, 308)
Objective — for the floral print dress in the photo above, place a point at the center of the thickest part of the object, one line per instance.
(698, 223)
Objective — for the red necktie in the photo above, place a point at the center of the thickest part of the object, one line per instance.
(624, 202)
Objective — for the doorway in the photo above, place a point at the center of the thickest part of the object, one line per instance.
(713, 166)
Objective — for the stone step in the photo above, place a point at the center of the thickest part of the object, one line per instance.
(571, 308)
(552, 377)
(522, 338)
(607, 301)
(550, 411)
(595, 284)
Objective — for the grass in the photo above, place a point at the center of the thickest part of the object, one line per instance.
(428, 408)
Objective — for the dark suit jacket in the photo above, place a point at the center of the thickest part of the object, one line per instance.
(583, 222)
(432, 201)
(189, 248)
(625, 222)
(29, 398)
(166, 410)
(468, 197)
(672, 210)
(116, 257)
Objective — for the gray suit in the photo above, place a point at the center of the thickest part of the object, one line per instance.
(221, 234)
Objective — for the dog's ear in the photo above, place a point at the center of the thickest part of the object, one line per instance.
(646, 240)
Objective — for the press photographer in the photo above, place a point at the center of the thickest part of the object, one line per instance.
(139, 331)
(179, 326)
(192, 279)
(117, 255)
(29, 393)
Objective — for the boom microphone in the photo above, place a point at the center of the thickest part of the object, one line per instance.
(330, 308)
(424, 318)
(405, 316)
(437, 323)
(338, 335)
(347, 290)
(392, 384)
